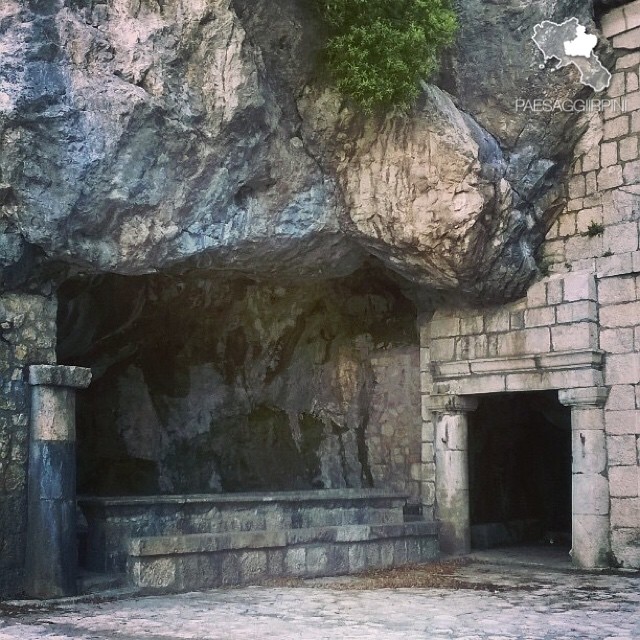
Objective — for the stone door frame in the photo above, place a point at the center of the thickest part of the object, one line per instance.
(577, 377)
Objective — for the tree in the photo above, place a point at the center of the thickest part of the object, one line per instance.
(378, 50)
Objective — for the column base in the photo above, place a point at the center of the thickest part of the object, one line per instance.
(591, 548)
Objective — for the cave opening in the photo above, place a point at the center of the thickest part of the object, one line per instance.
(219, 383)
(520, 471)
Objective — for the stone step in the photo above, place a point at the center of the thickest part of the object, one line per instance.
(205, 561)
(112, 522)
(88, 582)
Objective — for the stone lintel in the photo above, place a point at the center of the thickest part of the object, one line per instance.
(53, 375)
(544, 362)
(584, 397)
(453, 403)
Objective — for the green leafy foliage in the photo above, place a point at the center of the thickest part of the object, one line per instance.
(378, 50)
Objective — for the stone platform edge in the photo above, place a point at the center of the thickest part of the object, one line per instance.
(196, 562)
(320, 495)
(214, 542)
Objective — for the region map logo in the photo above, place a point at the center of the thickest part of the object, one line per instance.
(569, 43)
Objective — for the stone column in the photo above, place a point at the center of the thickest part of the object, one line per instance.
(590, 519)
(452, 470)
(51, 557)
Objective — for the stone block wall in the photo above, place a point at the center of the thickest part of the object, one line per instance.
(392, 434)
(27, 335)
(622, 26)
(599, 231)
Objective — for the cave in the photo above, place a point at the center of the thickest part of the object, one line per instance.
(520, 471)
(210, 383)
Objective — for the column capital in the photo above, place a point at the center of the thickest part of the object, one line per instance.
(54, 375)
(453, 403)
(584, 397)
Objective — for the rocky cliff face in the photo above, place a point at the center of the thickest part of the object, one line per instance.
(220, 384)
(139, 135)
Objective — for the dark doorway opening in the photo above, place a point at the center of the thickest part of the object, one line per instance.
(520, 471)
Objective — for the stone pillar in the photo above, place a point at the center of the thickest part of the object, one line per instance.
(452, 470)
(590, 501)
(51, 526)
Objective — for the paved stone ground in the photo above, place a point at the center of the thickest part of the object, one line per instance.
(501, 602)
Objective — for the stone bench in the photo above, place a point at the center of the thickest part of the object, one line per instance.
(112, 522)
(204, 561)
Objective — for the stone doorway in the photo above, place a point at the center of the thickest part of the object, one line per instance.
(590, 500)
(520, 471)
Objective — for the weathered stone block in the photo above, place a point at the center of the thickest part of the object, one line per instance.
(567, 223)
(621, 398)
(589, 451)
(428, 453)
(616, 290)
(571, 337)
(590, 495)
(472, 325)
(517, 320)
(629, 148)
(625, 512)
(555, 290)
(537, 340)
(590, 540)
(610, 177)
(621, 450)
(451, 433)
(541, 317)
(428, 493)
(613, 23)
(442, 349)
(632, 15)
(577, 184)
(317, 561)
(622, 422)
(428, 430)
(614, 265)
(623, 481)
(295, 561)
(537, 294)
(628, 60)
(484, 384)
(591, 160)
(588, 217)
(609, 150)
(357, 557)
(624, 546)
(631, 173)
(620, 315)
(576, 312)
(442, 327)
(425, 358)
(632, 101)
(59, 376)
(622, 238)
(275, 563)
(622, 369)
(586, 419)
(497, 321)
(253, 564)
(615, 128)
(156, 573)
(627, 40)
(579, 286)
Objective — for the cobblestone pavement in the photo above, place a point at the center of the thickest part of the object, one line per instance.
(507, 602)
